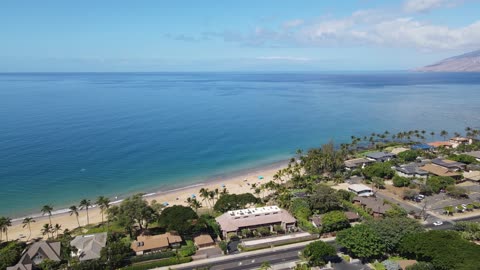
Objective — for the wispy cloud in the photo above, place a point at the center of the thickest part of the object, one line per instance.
(414, 6)
(284, 58)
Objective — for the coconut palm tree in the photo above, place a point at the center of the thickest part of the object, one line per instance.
(433, 135)
(46, 229)
(26, 223)
(194, 203)
(74, 211)
(56, 229)
(5, 222)
(205, 194)
(85, 204)
(444, 134)
(47, 209)
(103, 203)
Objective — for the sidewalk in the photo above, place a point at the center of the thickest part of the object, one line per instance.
(243, 255)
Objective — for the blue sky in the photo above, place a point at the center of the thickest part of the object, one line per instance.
(234, 35)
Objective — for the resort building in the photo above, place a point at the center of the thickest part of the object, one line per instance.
(361, 190)
(380, 156)
(36, 254)
(457, 141)
(475, 154)
(376, 207)
(356, 163)
(411, 170)
(203, 240)
(251, 218)
(154, 243)
(89, 246)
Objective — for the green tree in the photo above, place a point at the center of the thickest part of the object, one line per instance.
(324, 199)
(46, 230)
(47, 209)
(48, 264)
(444, 134)
(399, 181)
(436, 183)
(362, 242)
(85, 204)
(444, 249)
(10, 253)
(116, 253)
(409, 155)
(457, 192)
(73, 210)
(56, 229)
(300, 209)
(26, 223)
(265, 266)
(5, 222)
(228, 202)
(393, 230)
(194, 203)
(177, 218)
(103, 203)
(421, 266)
(378, 182)
(334, 221)
(133, 210)
(317, 253)
(379, 169)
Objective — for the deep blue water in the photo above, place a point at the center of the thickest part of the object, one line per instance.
(68, 136)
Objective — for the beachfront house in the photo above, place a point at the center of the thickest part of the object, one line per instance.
(457, 141)
(356, 163)
(374, 206)
(36, 254)
(475, 154)
(89, 246)
(380, 156)
(252, 218)
(360, 190)
(411, 170)
(155, 243)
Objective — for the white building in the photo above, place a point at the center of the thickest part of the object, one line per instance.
(360, 190)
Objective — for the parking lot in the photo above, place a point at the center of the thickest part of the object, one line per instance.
(437, 202)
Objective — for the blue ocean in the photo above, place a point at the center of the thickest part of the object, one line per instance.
(68, 136)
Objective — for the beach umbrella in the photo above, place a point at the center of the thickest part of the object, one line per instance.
(260, 177)
(193, 196)
(165, 204)
(223, 185)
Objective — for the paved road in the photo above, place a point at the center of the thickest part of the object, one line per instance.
(251, 262)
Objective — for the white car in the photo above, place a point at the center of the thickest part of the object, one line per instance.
(438, 223)
(464, 206)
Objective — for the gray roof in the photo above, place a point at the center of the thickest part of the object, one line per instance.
(475, 154)
(89, 246)
(45, 249)
(230, 223)
(450, 164)
(352, 163)
(411, 168)
(380, 155)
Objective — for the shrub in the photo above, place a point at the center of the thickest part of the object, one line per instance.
(409, 194)
(436, 183)
(318, 253)
(399, 181)
(264, 231)
(409, 155)
(187, 250)
(334, 221)
(153, 256)
(379, 169)
(300, 209)
(456, 192)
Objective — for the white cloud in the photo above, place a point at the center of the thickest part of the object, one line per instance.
(284, 58)
(414, 6)
(293, 23)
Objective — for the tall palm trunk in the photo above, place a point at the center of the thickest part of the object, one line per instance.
(6, 234)
(50, 218)
(88, 219)
(78, 221)
(29, 231)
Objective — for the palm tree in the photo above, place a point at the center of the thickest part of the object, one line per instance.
(444, 134)
(194, 203)
(46, 229)
(205, 194)
(74, 211)
(56, 229)
(26, 223)
(103, 203)
(85, 204)
(433, 135)
(5, 222)
(47, 209)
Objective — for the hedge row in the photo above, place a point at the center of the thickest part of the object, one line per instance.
(153, 256)
(161, 263)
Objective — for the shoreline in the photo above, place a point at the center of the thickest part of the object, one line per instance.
(236, 182)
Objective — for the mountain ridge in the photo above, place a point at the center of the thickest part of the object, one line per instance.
(467, 62)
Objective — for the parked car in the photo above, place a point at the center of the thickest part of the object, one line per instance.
(438, 223)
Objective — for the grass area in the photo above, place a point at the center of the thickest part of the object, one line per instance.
(378, 266)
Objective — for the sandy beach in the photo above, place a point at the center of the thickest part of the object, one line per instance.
(235, 183)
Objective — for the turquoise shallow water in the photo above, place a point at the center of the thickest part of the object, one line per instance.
(70, 136)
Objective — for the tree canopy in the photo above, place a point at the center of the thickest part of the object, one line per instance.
(379, 169)
(362, 242)
(318, 252)
(228, 202)
(325, 199)
(177, 218)
(334, 221)
(443, 249)
(436, 183)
